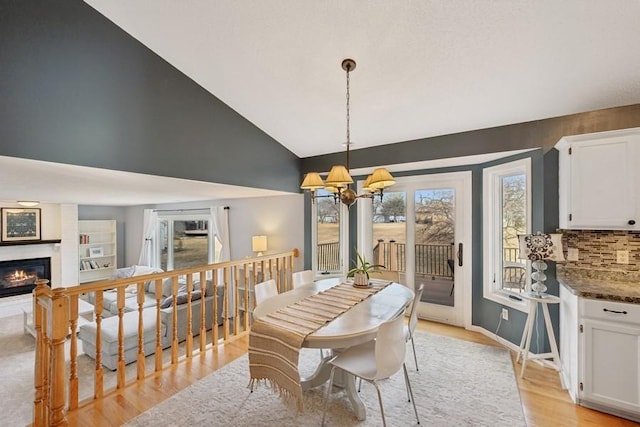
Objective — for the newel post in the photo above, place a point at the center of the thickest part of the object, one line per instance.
(58, 323)
(40, 369)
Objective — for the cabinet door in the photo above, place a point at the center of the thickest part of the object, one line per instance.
(611, 367)
(603, 185)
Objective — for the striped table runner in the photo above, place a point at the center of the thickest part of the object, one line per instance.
(275, 339)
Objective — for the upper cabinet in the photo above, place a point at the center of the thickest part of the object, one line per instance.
(598, 180)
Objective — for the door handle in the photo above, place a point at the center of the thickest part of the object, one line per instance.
(460, 255)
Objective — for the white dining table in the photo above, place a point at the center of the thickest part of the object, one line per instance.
(357, 325)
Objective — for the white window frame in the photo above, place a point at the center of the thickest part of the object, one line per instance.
(492, 234)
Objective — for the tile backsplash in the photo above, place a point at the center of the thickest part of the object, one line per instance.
(597, 251)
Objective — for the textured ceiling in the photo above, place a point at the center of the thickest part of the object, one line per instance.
(424, 68)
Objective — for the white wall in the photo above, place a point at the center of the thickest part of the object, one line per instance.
(280, 218)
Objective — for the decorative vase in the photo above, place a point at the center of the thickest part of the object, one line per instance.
(360, 279)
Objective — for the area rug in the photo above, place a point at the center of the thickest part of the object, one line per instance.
(17, 354)
(459, 383)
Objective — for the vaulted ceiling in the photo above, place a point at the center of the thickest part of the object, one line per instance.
(424, 68)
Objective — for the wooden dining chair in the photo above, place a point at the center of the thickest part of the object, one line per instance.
(264, 290)
(375, 360)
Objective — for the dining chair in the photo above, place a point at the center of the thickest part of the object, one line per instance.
(264, 290)
(410, 327)
(303, 277)
(375, 360)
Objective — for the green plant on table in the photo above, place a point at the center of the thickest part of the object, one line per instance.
(362, 266)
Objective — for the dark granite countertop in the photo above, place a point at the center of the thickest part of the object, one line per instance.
(600, 288)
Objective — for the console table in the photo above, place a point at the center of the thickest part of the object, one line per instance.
(525, 342)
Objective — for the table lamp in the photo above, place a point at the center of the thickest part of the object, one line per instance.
(259, 244)
(538, 248)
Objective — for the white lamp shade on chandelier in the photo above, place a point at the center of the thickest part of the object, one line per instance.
(339, 179)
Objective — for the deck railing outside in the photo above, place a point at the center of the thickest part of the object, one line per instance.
(431, 260)
(56, 320)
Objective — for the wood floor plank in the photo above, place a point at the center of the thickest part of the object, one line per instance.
(543, 400)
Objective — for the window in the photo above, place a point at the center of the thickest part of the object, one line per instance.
(507, 207)
(186, 241)
(329, 234)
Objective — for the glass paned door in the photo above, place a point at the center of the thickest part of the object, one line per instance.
(434, 244)
(421, 230)
(184, 243)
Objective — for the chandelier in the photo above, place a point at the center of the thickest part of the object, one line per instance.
(339, 180)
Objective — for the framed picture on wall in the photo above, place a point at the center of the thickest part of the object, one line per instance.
(20, 224)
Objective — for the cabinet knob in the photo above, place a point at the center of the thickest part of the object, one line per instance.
(631, 222)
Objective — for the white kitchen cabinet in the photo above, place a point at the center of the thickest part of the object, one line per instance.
(569, 343)
(598, 181)
(600, 352)
(97, 254)
(611, 365)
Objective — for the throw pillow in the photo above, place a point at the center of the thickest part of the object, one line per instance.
(181, 298)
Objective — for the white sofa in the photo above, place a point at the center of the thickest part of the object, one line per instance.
(109, 325)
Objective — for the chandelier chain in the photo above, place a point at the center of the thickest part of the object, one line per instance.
(348, 118)
(348, 115)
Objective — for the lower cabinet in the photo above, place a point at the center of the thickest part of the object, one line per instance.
(611, 364)
(600, 352)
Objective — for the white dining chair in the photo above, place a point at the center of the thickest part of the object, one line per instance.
(303, 277)
(264, 290)
(410, 327)
(375, 360)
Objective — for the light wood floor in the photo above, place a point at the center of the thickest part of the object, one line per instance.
(543, 400)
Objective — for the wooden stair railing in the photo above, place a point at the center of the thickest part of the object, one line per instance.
(56, 316)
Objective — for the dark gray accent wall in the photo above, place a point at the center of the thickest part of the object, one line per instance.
(537, 134)
(76, 89)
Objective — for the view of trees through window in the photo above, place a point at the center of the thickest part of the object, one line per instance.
(328, 231)
(514, 214)
(514, 222)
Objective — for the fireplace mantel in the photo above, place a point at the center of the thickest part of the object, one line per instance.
(31, 242)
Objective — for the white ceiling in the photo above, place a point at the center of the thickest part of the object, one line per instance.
(49, 182)
(424, 68)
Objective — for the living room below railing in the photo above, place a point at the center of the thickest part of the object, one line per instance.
(172, 315)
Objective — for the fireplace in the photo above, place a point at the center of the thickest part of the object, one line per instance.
(19, 276)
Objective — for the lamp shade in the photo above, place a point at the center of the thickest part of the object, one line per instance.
(312, 181)
(541, 246)
(381, 178)
(259, 243)
(28, 203)
(338, 177)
